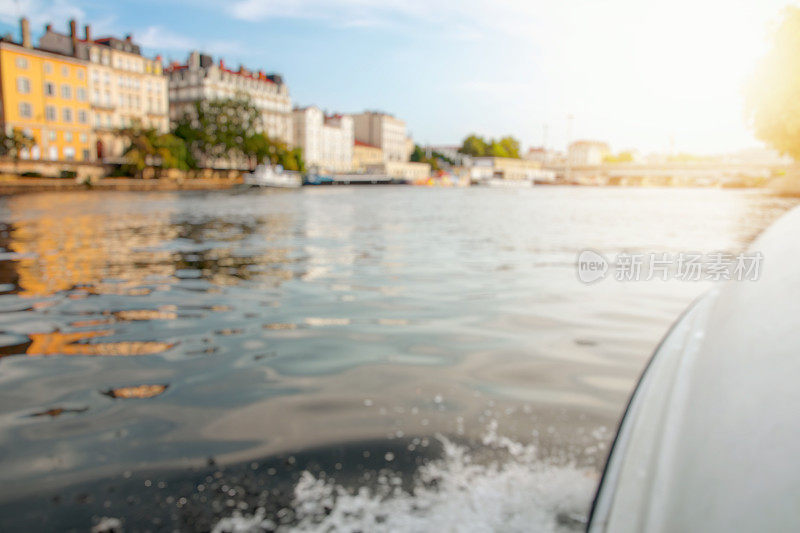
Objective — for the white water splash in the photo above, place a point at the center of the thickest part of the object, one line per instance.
(454, 493)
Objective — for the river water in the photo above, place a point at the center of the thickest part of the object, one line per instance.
(365, 358)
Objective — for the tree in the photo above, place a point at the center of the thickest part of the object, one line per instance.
(15, 143)
(510, 146)
(474, 146)
(218, 129)
(259, 148)
(772, 104)
(148, 148)
(477, 146)
(292, 159)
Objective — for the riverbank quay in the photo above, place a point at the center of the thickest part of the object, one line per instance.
(9, 186)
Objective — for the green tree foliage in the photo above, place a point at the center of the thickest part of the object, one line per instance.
(436, 160)
(227, 129)
(772, 103)
(261, 149)
(13, 144)
(474, 146)
(218, 129)
(477, 146)
(148, 148)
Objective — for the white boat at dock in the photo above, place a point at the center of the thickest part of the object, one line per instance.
(269, 176)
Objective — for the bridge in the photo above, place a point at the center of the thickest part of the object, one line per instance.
(681, 174)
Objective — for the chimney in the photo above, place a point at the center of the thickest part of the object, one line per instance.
(128, 37)
(87, 30)
(26, 32)
(48, 27)
(73, 33)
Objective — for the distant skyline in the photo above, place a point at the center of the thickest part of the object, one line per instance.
(650, 77)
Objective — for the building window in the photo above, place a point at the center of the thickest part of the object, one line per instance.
(83, 117)
(80, 74)
(66, 114)
(48, 68)
(84, 138)
(52, 136)
(50, 113)
(69, 153)
(25, 110)
(22, 62)
(66, 92)
(81, 94)
(49, 89)
(65, 72)
(52, 153)
(68, 136)
(23, 85)
(85, 154)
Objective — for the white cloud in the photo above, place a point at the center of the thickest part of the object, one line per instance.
(358, 12)
(163, 39)
(38, 11)
(158, 37)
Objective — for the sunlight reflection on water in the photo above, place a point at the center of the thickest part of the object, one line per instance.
(260, 325)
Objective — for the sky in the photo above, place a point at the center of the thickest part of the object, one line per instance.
(655, 76)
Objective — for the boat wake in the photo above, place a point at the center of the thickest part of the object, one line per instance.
(461, 491)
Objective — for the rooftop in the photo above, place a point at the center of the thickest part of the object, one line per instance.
(241, 71)
(359, 143)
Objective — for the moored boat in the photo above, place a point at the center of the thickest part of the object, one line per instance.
(269, 176)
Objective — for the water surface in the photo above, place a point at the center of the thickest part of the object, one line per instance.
(173, 359)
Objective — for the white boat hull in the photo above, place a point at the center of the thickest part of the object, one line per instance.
(265, 176)
(709, 440)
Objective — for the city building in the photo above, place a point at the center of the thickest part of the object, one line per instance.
(45, 94)
(451, 152)
(405, 170)
(125, 87)
(365, 155)
(507, 168)
(327, 141)
(587, 153)
(384, 131)
(201, 79)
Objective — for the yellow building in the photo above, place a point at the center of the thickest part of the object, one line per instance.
(507, 168)
(126, 87)
(406, 170)
(366, 154)
(46, 95)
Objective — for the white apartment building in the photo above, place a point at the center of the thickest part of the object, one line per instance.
(384, 131)
(327, 141)
(587, 153)
(201, 79)
(125, 88)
